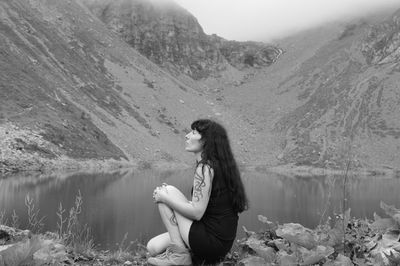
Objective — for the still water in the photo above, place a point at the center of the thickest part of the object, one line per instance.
(118, 203)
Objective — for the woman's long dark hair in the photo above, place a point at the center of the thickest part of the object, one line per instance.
(218, 154)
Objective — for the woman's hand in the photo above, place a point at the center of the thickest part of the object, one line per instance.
(160, 193)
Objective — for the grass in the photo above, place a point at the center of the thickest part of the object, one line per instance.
(77, 237)
(71, 231)
(35, 222)
(3, 218)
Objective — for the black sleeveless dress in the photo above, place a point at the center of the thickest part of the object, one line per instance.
(212, 236)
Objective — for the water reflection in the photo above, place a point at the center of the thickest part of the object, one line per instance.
(120, 202)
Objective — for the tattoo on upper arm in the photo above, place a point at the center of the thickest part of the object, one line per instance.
(173, 219)
(198, 186)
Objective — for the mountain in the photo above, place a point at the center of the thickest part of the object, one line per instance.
(331, 98)
(349, 100)
(171, 37)
(71, 88)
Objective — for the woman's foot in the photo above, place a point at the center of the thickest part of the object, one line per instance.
(174, 255)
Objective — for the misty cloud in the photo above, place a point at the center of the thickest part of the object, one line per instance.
(270, 19)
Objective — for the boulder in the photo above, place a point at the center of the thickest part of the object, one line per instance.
(297, 234)
(339, 261)
(316, 255)
(259, 247)
(284, 259)
(51, 252)
(19, 252)
(252, 261)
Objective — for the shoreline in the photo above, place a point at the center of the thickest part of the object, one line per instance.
(66, 164)
(290, 169)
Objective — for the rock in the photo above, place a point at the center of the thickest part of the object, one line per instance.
(391, 211)
(298, 234)
(14, 235)
(50, 252)
(281, 244)
(284, 259)
(259, 247)
(311, 257)
(382, 224)
(265, 221)
(253, 261)
(339, 261)
(4, 236)
(267, 253)
(15, 254)
(385, 246)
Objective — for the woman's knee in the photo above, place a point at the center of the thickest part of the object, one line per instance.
(174, 190)
(151, 247)
(171, 188)
(158, 244)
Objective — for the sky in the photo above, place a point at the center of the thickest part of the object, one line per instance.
(266, 20)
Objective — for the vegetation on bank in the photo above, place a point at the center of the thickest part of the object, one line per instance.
(337, 241)
(341, 240)
(71, 244)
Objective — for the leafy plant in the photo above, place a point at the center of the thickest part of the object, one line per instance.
(15, 220)
(3, 218)
(69, 229)
(35, 222)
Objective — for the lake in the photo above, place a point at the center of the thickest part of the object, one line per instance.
(121, 202)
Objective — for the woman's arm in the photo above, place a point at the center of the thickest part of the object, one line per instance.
(194, 209)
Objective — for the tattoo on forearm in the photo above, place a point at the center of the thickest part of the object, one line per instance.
(198, 186)
(173, 219)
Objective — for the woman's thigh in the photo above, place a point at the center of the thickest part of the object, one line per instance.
(158, 244)
(184, 223)
(175, 193)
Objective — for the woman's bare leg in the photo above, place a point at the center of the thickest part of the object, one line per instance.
(171, 224)
(158, 244)
(184, 223)
(177, 226)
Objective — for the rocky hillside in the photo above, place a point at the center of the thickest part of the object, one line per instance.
(171, 37)
(70, 88)
(332, 97)
(349, 99)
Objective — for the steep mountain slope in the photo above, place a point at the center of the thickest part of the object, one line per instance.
(336, 99)
(171, 37)
(70, 88)
(348, 104)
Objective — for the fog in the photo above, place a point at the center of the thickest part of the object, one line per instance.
(266, 20)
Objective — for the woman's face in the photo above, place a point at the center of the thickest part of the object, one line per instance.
(193, 142)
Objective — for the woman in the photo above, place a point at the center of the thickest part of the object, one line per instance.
(207, 223)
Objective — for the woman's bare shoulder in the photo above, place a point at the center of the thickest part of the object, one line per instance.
(204, 169)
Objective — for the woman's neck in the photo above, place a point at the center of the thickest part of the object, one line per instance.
(198, 156)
